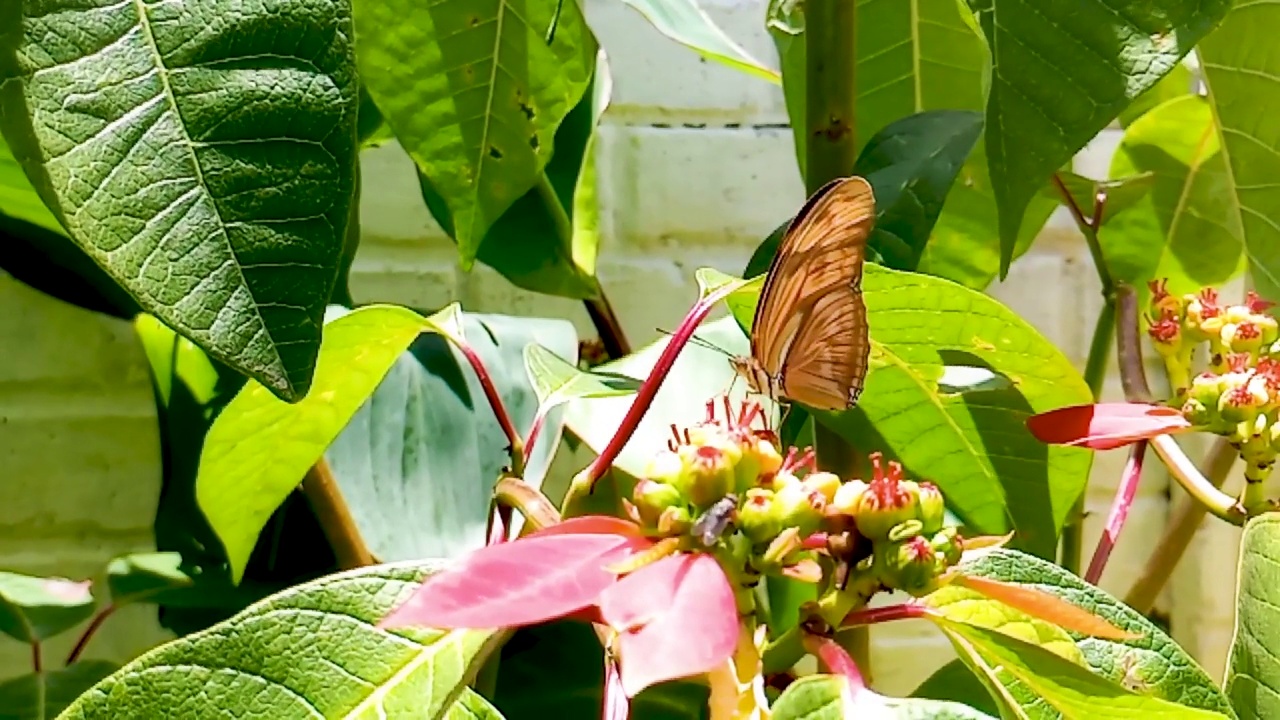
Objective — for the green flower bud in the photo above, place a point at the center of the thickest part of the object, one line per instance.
(909, 565)
(933, 509)
(760, 459)
(675, 521)
(1243, 403)
(652, 498)
(759, 517)
(800, 508)
(847, 497)
(824, 483)
(1267, 327)
(948, 545)
(887, 501)
(1243, 337)
(710, 473)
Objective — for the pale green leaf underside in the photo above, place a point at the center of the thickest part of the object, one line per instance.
(203, 156)
(687, 24)
(1253, 670)
(313, 651)
(475, 94)
(1242, 73)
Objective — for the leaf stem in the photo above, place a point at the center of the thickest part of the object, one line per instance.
(537, 510)
(37, 663)
(1119, 512)
(325, 498)
(835, 659)
(515, 445)
(1095, 373)
(89, 631)
(1089, 228)
(1179, 532)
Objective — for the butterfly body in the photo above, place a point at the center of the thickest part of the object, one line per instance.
(809, 340)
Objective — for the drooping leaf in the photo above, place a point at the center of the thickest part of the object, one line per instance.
(258, 448)
(1174, 85)
(1106, 426)
(41, 696)
(675, 617)
(1243, 78)
(1059, 686)
(417, 463)
(36, 608)
(1121, 194)
(204, 159)
(557, 669)
(1063, 71)
(974, 445)
(1151, 662)
(547, 241)
(1182, 230)
(557, 381)
(312, 651)
(142, 576)
(475, 94)
(828, 697)
(1253, 674)
(523, 582)
(687, 24)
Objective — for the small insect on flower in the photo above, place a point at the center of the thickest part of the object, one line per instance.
(716, 521)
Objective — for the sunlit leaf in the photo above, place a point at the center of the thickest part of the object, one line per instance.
(1121, 194)
(828, 697)
(1174, 85)
(1253, 672)
(687, 24)
(35, 608)
(141, 576)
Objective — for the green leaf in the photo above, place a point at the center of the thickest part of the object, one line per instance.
(971, 607)
(686, 23)
(1253, 674)
(1060, 686)
(1243, 79)
(1122, 193)
(475, 94)
(827, 697)
(312, 651)
(557, 381)
(912, 164)
(41, 696)
(1151, 663)
(175, 358)
(205, 159)
(17, 198)
(699, 374)
(141, 576)
(1062, 72)
(1176, 84)
(547, 241)
(1182, 229)
(472, 706)
(955, 682)
(258, 448)
(37, 608)
(418, 461)
(557, 670)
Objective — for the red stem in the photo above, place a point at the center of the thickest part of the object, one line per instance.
(1119, 512)
(37, 665)
(649, 389)
(495, 401)
(534, 430)
(835, 659)
(888, 613)
(94, 624)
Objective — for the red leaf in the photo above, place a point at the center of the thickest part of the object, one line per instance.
(676, 617)
(1105, 425)
(591, 525)
(524, 582)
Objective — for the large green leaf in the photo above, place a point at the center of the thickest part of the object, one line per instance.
(417, 462)
(972, 442)
(204, 158)
(36, 608)
(1059, 686)
(1253, 672)
(1151, 663)
(1243, 78)
(827, 697)
(475, 93)
(17, 198)
(1062, 72)
(259, 448)
(687, 24)
(1174, 85)
(313, 651)
(41, 696)
(955, 682)
(1183, 229)
(547, 241)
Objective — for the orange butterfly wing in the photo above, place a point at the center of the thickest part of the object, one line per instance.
(811, 302)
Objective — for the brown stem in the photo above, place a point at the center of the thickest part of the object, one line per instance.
(37, 664)
(94, 624)
(1133, 375)
(1179, 532)
(322, 493)
(608, 327)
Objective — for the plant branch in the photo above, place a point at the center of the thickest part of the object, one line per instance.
(322, 493)
(89, 631)
(1089, 228)
(536, 509)
(1119, 512)
(515, 445)
(1133, 374)
(1179, 532)
(834, 659)
(1197, 485)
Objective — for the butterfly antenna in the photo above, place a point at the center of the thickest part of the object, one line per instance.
(700, 342)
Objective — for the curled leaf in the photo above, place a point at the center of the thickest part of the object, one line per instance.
(1104, 426)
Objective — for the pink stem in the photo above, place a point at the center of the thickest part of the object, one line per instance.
(1119, 512)
(835, 659)
(649, 388)
(888, 613)
(534, 430)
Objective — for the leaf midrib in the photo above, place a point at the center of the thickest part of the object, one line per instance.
(162, 71)
(491, 91)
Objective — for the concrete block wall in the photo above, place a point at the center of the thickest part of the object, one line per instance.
(696, 165)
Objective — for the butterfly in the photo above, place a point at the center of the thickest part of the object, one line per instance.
(809, 341)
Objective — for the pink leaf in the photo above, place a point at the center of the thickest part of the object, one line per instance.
(1106, 425)
(676, 617)
(523, 582)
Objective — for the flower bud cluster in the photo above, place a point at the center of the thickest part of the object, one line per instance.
(1238, 397)
(725, 487)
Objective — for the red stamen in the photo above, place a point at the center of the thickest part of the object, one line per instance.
(1257, 304)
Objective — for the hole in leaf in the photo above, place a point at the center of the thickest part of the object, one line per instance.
(495, 153)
